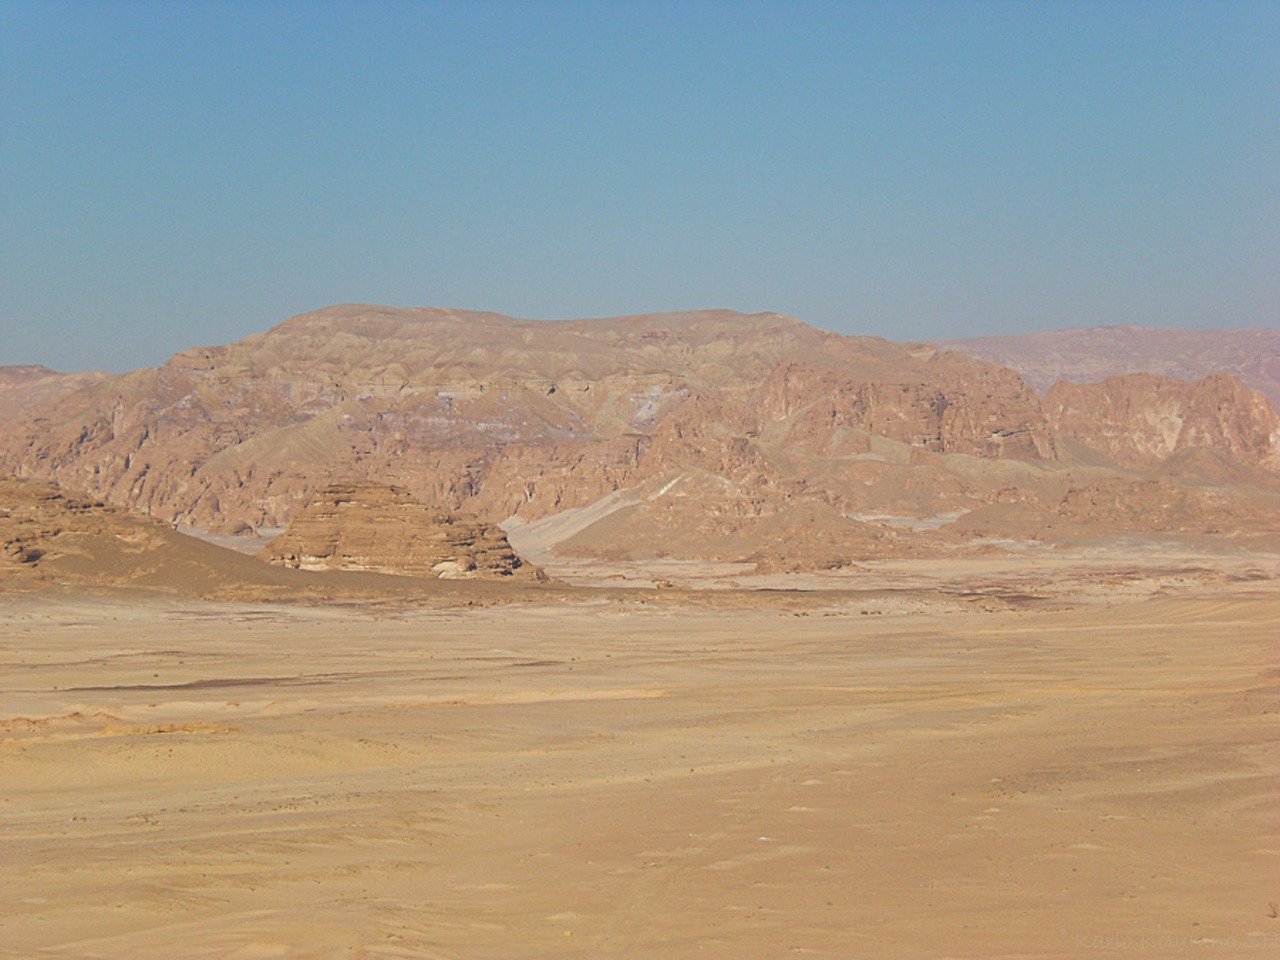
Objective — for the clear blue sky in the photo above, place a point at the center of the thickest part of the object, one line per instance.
(174, 174)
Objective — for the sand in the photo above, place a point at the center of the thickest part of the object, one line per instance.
(895, 774)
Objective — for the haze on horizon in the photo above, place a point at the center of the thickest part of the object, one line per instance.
(183, 174)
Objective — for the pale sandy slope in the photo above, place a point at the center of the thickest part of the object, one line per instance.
(622, 779)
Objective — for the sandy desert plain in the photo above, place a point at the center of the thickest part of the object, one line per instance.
(1063, 754)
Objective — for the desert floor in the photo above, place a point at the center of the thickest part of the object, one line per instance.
(918, 772)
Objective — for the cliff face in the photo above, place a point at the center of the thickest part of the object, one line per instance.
(1141, 421)
(384, 530)
(952, 406)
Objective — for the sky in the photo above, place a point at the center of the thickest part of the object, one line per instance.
(176, 174)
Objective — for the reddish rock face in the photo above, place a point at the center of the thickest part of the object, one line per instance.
(384, 530)
(1141, 421)
(501, 416)
(505, 418)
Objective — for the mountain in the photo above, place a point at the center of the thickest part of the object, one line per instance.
(1090, 354)
(701, 434)
(33, 386)
(501, 416)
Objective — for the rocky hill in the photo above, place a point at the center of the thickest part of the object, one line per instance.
(48, 537)
(34, 387)
(697, 434)
(382, 529)
(1090, 354)
(1141, 422)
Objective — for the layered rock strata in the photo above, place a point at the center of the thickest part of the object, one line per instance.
(384, 530)
(517, 422)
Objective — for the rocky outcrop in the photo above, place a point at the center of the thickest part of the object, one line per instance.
(384, 530)
(1141, 421)
(51, 537)
(39, 526)
(948, 404)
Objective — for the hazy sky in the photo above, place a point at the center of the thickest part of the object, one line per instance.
(174, 174)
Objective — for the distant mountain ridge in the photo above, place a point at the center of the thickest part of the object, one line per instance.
(1091, 354)
(32, 385)
(706, 433)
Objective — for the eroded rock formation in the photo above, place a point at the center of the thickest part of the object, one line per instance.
(47, 536)
(1141, 421)
(384, 530)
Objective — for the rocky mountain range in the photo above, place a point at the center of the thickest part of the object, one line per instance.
(704, 434)
(1091, 354)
